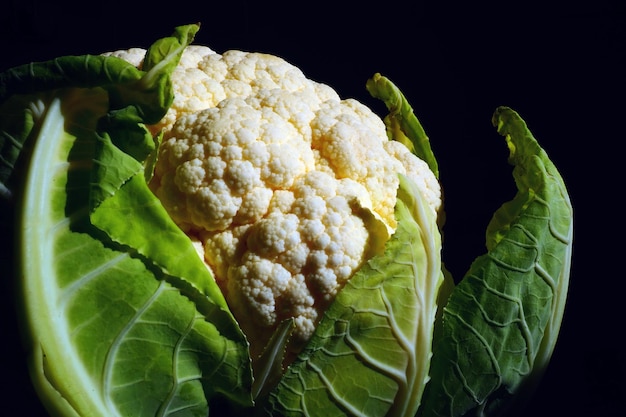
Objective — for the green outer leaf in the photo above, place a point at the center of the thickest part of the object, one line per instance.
(108, 336)
(135, 96)
(82, 71)
(370, 353)
(23, 91)
(148, 89)
(163, 56)
(112, 331)
(42, 221)
(402, 124)
(521, 145)
(501, 322)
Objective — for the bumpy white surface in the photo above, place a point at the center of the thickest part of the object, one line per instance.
(271, 171)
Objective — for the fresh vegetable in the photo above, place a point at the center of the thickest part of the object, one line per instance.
(217, 234)
(287, 188)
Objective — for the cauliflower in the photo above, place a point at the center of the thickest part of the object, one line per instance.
(286, 188)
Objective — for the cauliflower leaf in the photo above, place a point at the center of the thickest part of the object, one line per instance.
(502, 320)
(402, 124)
(117, 320)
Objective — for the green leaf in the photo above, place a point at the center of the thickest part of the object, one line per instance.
(502, 320)
(163, 56)
(120, 316)
(109, 335)
(133, 217)
(84, 71)
(370, 353)
(112, 168)
(149, 89)
(153, 93)
(134, 96)
(402, 124)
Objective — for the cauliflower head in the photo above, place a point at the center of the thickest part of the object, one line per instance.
(286, 188)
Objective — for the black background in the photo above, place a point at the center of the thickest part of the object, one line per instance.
(559, 64)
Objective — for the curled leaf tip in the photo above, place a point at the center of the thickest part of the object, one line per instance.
(401, 122)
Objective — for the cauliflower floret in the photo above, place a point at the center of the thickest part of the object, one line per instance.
(133, 56)
(204, 78)
(289, 188)
(220, 165)
(312, 247)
